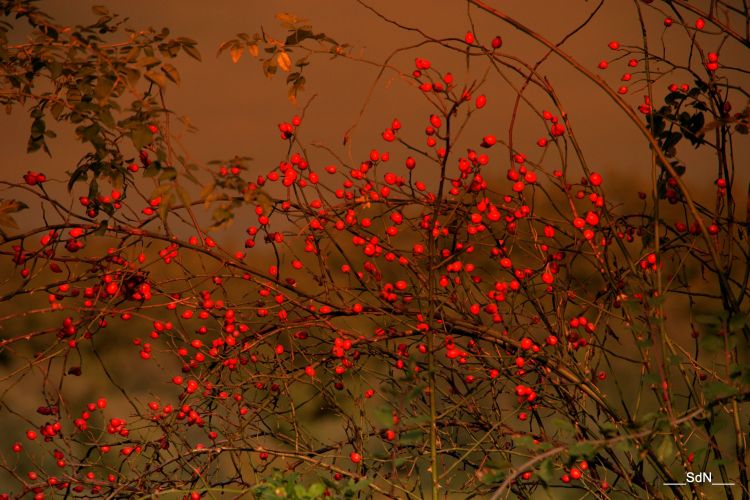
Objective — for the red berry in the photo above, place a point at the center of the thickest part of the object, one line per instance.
(33, 178)
(557, 129)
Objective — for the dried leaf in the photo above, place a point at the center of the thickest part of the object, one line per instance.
(157, 78)
(288, 19)
(236, 53)
(284, 61)
(171, 72)
(192, 52)
(183, 195)
(8, 207)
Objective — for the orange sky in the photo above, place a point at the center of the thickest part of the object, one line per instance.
(236, 109)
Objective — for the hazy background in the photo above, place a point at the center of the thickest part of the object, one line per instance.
(236, 108)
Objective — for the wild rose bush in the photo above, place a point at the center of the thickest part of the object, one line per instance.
(478, 317)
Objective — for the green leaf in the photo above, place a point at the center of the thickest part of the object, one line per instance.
(316, 490)
(720, 423)
(57, 109)
(141, 137)
(105, 115)
(90, 133)
(708, 319)
(608, 428)
(498, 464)
(711, 343)
(151, 170)
(525, 442)
(166, 204)
(168, 174)
(583, 450)
(360, 485)
(103, 88)
(383, 416)
(546, 471)
(645, 343)
(737, 322)
(562, 425)
(183, 195)
(625, 446)
(673, 359)
(671, 140)
(411, 437)
(93, 188)
(665, 451)
(55, 69)
(716, 389)
(492, 477)
(79, 174)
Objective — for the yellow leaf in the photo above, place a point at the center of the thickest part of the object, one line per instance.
(288, 19)
(236, 53)
(284, 61)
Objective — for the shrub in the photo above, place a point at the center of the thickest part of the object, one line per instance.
(458, 311)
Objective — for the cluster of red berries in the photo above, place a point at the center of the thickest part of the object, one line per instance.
(34, 178)
(287, 129)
